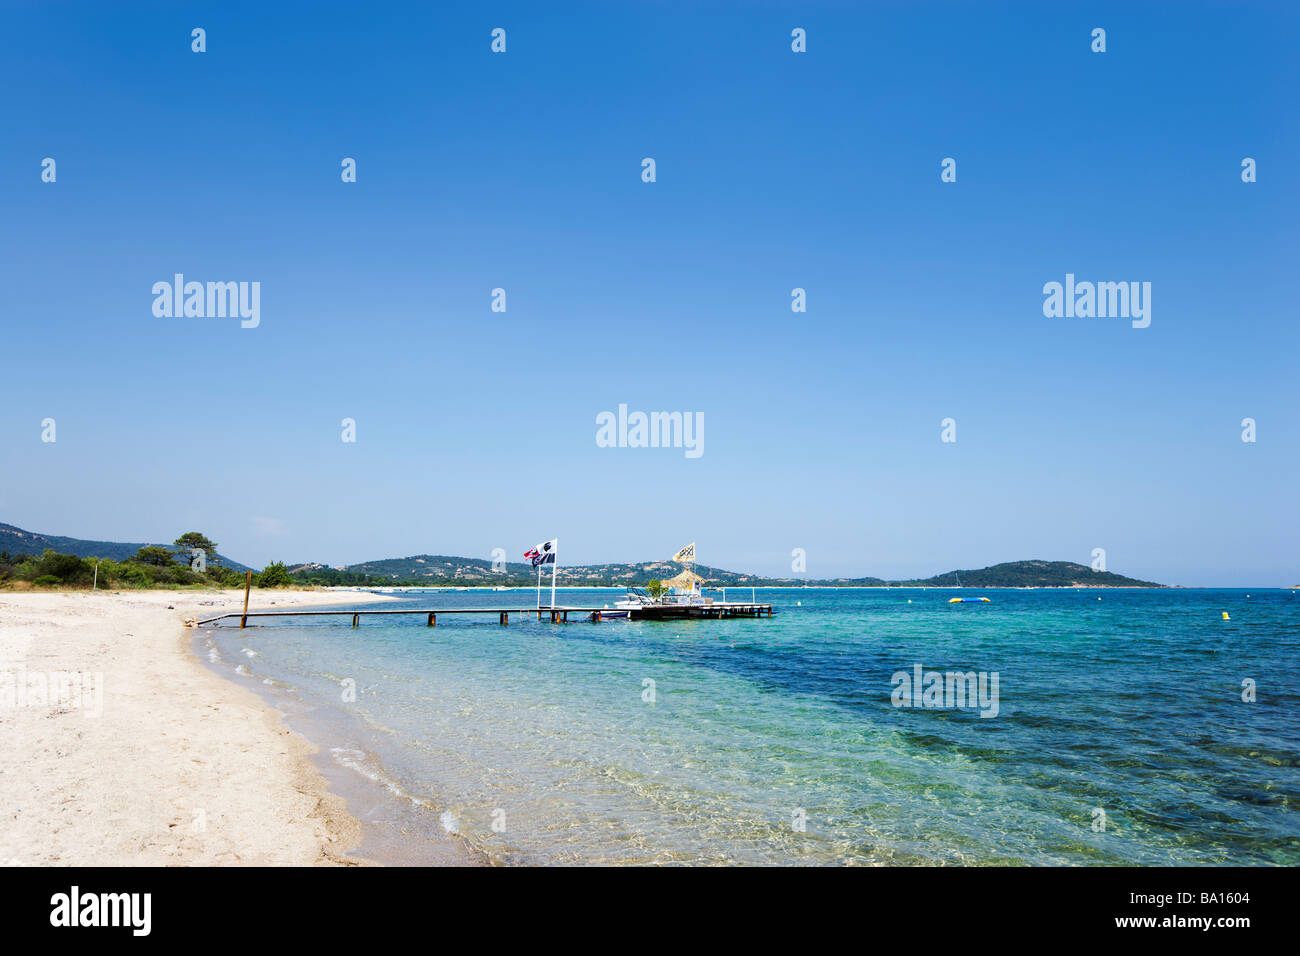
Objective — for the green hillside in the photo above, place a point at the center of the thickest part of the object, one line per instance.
(1035, 574)
(437, 570)
(440, 570)
(16, 541)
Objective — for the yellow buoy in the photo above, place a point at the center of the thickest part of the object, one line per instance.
(1225, 616)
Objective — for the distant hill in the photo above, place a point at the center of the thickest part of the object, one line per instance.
(446, 571)
(1033, 574)
(17, 541)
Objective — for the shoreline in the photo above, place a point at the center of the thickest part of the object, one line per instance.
(393, 826)
(125, 750)
(441, 588)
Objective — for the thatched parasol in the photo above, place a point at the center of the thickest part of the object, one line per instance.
(684, 580)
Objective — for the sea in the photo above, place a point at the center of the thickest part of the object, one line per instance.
(853, 727)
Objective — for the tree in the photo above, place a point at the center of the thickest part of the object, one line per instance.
(655, 588)
(226, 577)
(68, 568)
(152, 554)
(274, 575)
(194, 539)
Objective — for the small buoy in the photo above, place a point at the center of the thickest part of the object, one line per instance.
(798, 603)
(909, 600)
(1225, 616)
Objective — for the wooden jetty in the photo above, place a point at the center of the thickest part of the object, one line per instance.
(557, 615)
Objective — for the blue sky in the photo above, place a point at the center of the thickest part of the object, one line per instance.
(775, 170)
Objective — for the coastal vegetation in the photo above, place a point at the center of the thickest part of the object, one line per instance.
(19, 542)
(433, 570)
(32, 560)
(151, 566)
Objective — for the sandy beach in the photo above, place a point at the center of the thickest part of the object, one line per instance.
(122, 749)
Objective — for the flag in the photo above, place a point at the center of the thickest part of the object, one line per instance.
(686, 554)
(543, 553)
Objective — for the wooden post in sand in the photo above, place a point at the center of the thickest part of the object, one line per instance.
(248, 583)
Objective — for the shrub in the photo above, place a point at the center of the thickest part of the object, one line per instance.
(47, 581)
(133, 575)
(67, 568)
(274, 575)
(225, 577)
(185, 576)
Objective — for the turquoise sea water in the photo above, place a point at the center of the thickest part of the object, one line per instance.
(776, 741)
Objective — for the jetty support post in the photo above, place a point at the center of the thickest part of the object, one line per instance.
(505, 618)
(433, 618)
(248, 583)
(356, 620)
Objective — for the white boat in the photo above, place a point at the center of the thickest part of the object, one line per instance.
(637, 597)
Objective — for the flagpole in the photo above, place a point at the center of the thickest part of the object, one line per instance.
(539, 587)
(555, 566)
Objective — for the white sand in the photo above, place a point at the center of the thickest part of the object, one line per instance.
(181, 766)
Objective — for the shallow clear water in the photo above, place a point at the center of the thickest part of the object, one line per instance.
(776, 741)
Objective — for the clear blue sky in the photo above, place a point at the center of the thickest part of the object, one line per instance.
(775, 170)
